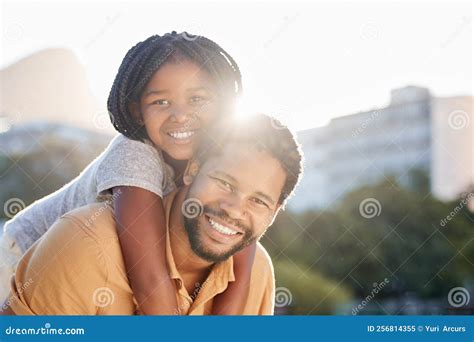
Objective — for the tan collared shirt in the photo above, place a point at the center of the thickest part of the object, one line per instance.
(77, 268)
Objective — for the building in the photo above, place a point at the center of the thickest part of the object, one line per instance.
(416, 131)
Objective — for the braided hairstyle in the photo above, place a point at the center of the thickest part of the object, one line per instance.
(146, 57)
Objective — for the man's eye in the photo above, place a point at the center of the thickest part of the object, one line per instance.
(260, 202)
(161, 102)
(225, 184)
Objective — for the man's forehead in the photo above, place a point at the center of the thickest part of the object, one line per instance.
(249, 166)
(234, 153)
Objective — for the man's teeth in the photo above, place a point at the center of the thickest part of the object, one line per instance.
(181, 135)
(222, 229)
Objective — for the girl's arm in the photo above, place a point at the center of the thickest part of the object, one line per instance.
(141, 226)
(232, 300)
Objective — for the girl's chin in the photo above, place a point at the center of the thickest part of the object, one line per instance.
(180, 153)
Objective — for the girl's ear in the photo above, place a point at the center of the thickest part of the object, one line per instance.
(134, 108)
(191, 172)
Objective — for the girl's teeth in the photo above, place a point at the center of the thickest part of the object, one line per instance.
(181, 135)
(221, 229)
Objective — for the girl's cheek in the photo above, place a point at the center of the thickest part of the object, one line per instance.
(154, 118)
(208, 113)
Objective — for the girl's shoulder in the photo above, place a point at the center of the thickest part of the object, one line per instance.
(128, 162)
(123, 149)
(121, 141)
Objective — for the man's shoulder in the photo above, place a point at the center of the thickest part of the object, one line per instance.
(88, 232)
(263, 263)
(96, 220)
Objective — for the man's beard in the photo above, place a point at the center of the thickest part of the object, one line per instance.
(192, 226)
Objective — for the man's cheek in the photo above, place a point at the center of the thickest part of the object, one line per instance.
(202, 185)
(262, 224)
(196, 189)
(269, 220)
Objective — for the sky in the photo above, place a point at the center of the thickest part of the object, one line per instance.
(302, 62)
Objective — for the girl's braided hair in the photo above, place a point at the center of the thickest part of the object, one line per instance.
(146, 57)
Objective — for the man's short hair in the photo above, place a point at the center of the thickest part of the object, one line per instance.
(263, 132)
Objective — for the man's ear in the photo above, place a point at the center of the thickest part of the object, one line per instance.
(191, 171)
(134, 109)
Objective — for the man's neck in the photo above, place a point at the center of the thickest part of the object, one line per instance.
(191, 267)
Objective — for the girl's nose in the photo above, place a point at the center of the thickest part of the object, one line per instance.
(181, 113)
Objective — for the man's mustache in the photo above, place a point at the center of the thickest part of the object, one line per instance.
(225, 217)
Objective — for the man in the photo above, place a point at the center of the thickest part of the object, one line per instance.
(241, 177)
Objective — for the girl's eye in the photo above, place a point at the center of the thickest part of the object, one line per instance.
(260, 202)
(161, 102)
(198, 99)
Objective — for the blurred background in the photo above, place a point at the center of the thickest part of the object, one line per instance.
(380, 95)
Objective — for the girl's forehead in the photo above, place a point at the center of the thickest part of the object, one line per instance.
(186, 74)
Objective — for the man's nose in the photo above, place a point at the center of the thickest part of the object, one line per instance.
(234, 207)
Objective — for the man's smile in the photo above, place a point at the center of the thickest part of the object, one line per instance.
(220, 231)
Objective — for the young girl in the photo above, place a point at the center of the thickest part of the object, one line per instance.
(168, 89)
